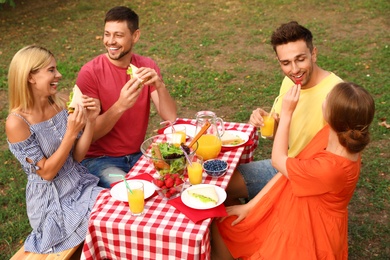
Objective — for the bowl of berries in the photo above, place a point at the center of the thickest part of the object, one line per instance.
(169, 186)
(165, 152)
(215, 167)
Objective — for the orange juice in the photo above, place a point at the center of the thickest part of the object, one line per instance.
(178, 138)
(183, 136)
(195, 173)
(179, 135)
(209, 146)
(268, 129)
(136, 201)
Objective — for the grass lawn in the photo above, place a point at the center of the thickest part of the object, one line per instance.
(215, 55)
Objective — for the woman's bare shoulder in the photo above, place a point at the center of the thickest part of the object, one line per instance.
(16, 128)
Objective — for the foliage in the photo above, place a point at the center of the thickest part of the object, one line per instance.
(10, 2)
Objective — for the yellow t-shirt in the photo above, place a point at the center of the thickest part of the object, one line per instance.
(307, 119)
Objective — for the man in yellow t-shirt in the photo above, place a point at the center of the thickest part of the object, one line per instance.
(293, 45)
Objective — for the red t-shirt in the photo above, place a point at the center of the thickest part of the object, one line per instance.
(101, 79)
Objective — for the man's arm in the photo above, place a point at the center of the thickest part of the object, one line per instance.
(106, 121)
(165, 105)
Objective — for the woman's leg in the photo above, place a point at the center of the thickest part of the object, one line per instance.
(219, 251)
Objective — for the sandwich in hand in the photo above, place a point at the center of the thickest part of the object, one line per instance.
(75, 98)
(132, 71)
(204, 195)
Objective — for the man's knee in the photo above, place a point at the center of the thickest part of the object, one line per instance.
(106, 176)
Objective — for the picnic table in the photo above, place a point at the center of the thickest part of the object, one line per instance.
(168, 229)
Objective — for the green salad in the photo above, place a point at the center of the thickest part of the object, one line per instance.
(173, 157)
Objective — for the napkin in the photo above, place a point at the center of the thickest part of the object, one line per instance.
(197, 215)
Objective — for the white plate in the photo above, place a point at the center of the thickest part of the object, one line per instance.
(185, 197)
(239, 134)
(190, 129)
(119, 192)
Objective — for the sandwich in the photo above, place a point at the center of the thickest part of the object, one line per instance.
(204, 195)
(231, 139)
(75, 98)
(132, 71)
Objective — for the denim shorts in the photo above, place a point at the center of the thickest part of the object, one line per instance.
(256, 175)
(103, 166)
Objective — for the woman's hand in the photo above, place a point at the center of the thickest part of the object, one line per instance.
(290, 100)
(76, 120)
(241, 211)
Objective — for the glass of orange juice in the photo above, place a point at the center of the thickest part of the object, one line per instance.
(136, 198)
(267, 130)
(209, 146)
(195, 169)
(179, 135)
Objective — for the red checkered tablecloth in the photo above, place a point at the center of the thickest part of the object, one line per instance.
(162, 232)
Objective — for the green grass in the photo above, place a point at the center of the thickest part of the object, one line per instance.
(215, 55)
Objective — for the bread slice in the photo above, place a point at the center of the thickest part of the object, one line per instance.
(75, 99)
(231, 139)
(205, 195)
(132, 71)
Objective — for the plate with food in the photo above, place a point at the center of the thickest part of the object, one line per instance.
(203, 196)
(119, 191)
(232, 138)
(190, 129)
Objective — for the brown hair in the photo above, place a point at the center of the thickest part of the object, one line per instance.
(123, 13)
(291, 32)
(350, 110)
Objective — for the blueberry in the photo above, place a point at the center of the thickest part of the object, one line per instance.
(215, 167)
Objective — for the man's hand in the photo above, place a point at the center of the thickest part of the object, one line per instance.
(256, 118)
(92, 107)
(129, 94)
(149, 77)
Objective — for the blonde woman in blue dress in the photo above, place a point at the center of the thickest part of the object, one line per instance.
(49, 144)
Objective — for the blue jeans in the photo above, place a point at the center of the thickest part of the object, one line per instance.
(103, 166)
(256, 175)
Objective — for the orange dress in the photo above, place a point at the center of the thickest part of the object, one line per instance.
(303, 217)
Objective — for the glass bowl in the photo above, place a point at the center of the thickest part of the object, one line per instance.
(169, 186)
(215, 167)
(173, 159)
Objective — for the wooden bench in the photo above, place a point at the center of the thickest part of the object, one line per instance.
(72, 253)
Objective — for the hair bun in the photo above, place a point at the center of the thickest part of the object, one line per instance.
(354, 139)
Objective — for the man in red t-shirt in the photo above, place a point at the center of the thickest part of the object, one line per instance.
(125, 103)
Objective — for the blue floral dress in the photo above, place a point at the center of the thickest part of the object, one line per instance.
(58, 210)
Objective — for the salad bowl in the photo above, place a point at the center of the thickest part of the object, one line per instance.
(166, 154)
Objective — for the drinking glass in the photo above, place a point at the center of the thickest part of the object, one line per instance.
(179, 135)
(195, 169)
(136, 198)
(267, 130)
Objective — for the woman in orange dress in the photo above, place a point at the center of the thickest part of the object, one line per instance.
(302, 212)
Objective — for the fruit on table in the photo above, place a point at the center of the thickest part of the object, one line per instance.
(169, 184)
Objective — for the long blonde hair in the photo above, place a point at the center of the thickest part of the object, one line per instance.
(29, 59)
